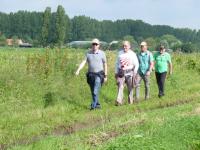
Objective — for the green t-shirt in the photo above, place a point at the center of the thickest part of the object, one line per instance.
(162, 61)
(144, 59)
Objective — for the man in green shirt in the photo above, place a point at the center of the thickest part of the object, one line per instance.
(162, 60)
(145, 59)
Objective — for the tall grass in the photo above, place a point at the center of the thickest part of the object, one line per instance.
(39, 92)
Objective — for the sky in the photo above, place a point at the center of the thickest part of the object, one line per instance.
(176, 13)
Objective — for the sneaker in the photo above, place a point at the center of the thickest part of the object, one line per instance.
(92, 108)
(161, 95)
(117, 103)
(98, 106)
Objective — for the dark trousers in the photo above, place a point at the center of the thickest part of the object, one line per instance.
(160, 77)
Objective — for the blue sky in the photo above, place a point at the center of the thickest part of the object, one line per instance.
(176, 13)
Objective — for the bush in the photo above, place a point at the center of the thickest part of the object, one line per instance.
(2, 40)
(188, 48)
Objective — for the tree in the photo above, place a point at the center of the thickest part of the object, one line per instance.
(84, 28)
(28, 39)
(15, 41)
(46, 26)
(152, 43)
(188, 47)
(50, 28)
(2, 40)
(108, 31)
(60, 25)
(52, 32)
(68, 28)
(163, 43)
(172, 40)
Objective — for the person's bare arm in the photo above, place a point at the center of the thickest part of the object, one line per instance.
(136, 64)
(106, 71)
(170, 68)
(116, 67)
(81, 66)
(151, 65)
(150, 68)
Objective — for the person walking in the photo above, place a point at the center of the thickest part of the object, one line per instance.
(162, 60)
(146, 64)
(125, 70)
(97, 71)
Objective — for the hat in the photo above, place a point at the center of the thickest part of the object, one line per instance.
(143, 44)
(95, 41)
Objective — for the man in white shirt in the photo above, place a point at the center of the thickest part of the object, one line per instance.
(125, 70)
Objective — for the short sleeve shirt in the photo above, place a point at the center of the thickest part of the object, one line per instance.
(95, 61)
(144, 58)
(162, 61)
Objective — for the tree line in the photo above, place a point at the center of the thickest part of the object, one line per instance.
(56, 28)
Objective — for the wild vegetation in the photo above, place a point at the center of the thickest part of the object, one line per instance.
(43, 105)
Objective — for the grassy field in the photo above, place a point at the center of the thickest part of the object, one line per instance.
(44, 106)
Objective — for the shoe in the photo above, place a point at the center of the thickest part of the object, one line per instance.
(161, 95)
(92, 108)
(117, 103)
(98, 107)
(136, 100)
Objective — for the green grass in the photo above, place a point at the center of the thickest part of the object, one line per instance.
(164, 129)
(169, 128)
(44, 106)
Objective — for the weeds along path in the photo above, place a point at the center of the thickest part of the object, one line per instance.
(43, 81)
(95, 120)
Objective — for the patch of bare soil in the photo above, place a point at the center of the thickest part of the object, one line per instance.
(96, 139)
(195, 111)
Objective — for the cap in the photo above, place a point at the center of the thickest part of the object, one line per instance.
(143, 43)
(96, 41)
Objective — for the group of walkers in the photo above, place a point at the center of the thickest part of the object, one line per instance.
(130, 69)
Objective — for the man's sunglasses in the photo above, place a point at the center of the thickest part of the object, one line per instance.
(95, 44)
